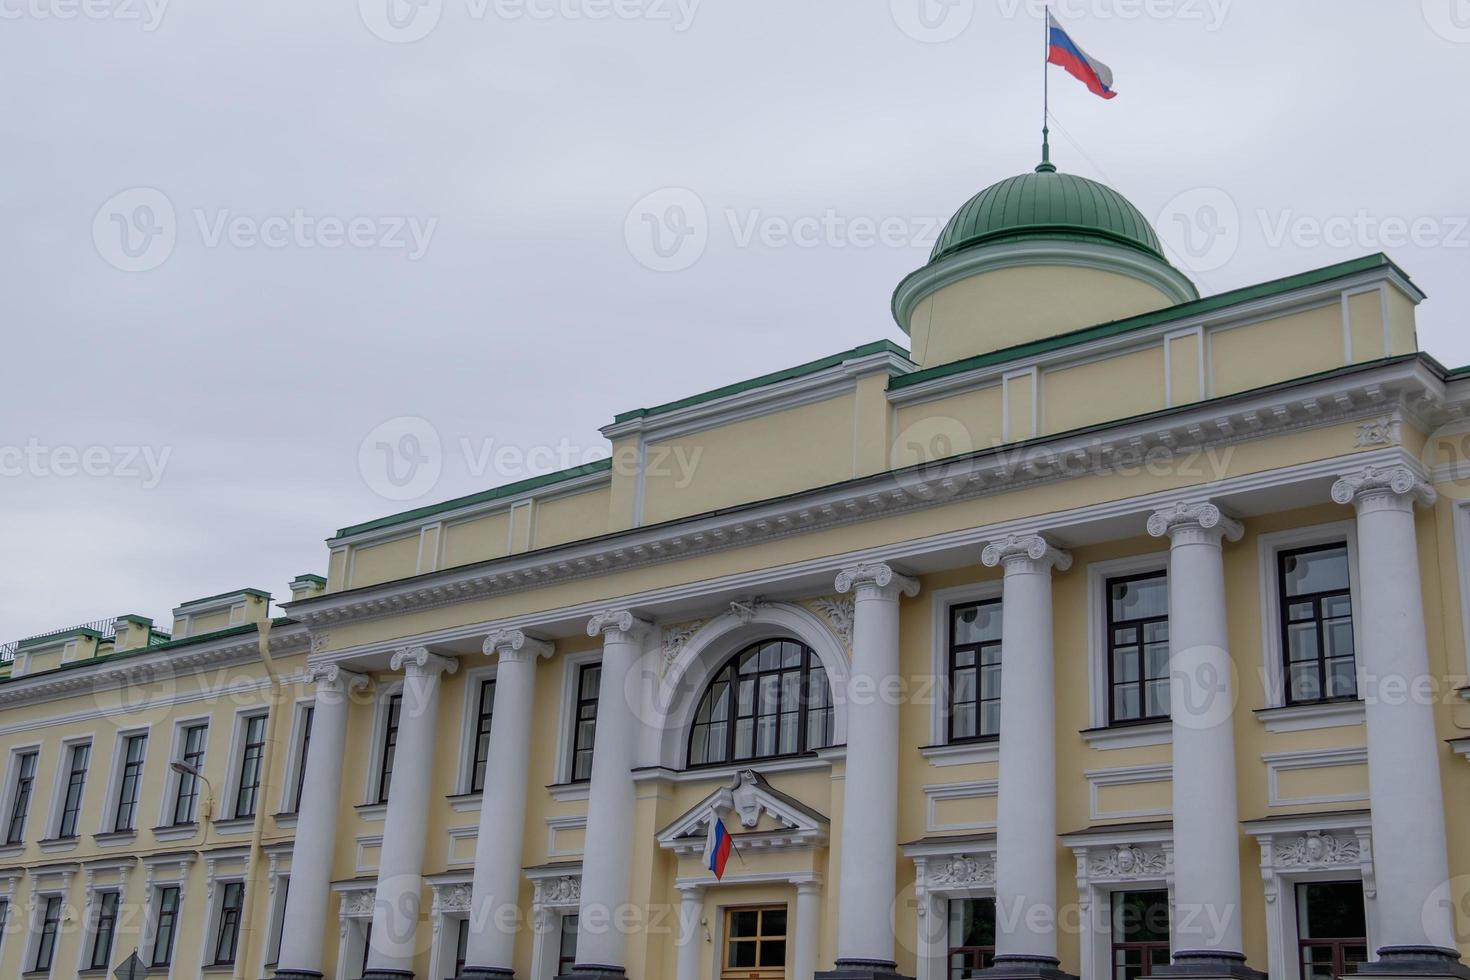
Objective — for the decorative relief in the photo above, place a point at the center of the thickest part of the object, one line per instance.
(452, 898)
(1184, 516)
(1025, 548)
(839, 612)
(565, 890)
(878, 576)
(358, 904)
(514, 644)
(1317, 850)
(675, 637)
(319, 642)
(615, 621)
(1380, 432)
(1127, 861)
(963, 869)
(1399, 481)
(745, 610)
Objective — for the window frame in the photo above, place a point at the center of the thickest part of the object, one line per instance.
(949, 684)
(1283, 602)
(1272, 615)
(388, 732)
(241, 758)
(180, 753)
(173, 930)
(1147, 947)
(811, 662)
(724, 970)
(303, 715)
(466, 760)
(1110, 627)
(122, 772)
(578, 703)
(985, 953)
(570, 665)
(67, 776)
(221, 913)
(942, 601)
(15, 836)
(1337, 944)
(484, 718)
(100, 899)
(43, 920)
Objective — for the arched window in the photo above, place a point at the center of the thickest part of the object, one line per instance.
(770, 699)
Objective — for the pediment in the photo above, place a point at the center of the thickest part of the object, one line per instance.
(755, 812)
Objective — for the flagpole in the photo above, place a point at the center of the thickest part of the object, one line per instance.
(1046, 89)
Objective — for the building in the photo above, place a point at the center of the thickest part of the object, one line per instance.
(1219, 545)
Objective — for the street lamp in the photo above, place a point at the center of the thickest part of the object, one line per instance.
(185, 769)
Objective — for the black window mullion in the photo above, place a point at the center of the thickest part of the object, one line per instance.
(1322, 662)
(792, 702)
(482, 735)
(390, 747)
(25, 782)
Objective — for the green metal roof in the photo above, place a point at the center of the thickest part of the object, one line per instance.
(1046, 204)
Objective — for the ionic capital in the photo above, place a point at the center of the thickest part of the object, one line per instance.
(515, 646)
(418, 660)
(336, 678)
(1026, 552)
(1187, 521)
(617, 621)
(1382, 484)
(877, 578)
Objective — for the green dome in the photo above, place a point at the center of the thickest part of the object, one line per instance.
(1047, 204)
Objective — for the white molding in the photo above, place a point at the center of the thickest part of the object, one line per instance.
(113, 797)
(1124, 860)
(571, 665)
(946, 868)
(286, 807)
(458, 834)
(12, 783)
(980, 789)
(1460, 513)
(1268, 546)
(161, 829)
(1160, 772)
(941, 602)
(1312, 717)
(58, 794)
(234, 765)
(361, 846)
(1129, 736)
(574, 821)
(1279, 762)
(371, 790)
(1461, 747)
(962, 753)
(469, 722)
(1098, 574)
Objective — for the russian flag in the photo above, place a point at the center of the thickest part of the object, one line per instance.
(1080, 65)
(717, 848)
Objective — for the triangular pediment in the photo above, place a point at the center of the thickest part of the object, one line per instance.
(755, 812)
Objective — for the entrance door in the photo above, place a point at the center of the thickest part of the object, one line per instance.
(755, 943)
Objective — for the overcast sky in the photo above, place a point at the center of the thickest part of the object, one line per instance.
(238, 238)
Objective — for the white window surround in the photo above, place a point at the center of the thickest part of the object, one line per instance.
(164, 829)
(1122, 859)
(278, 878)
(1101, 734)
(354, 920)
(558, 890)
(1461, 519)
(370, 808)
(946, 868)
(449, 907)
(572, 664)
(58, 793)
(108, 823)
(939, 751)
(166, 871)
(39, 898)
(1305, 848)
(92, 913)
(7, 798)
(469, 722)
(1273, 674)
(230, 791)
(288, 804)
(215, 882)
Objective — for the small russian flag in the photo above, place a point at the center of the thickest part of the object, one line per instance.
(717, 847)
(1065, 52)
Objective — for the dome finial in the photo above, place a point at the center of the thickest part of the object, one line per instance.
(1046, 166)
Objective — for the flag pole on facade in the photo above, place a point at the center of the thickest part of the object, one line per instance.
(1046, 164)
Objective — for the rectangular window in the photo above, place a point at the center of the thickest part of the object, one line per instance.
(278, 932)
(168, 921)
(1140, 933)
(482, 735)
(227, 937)
(46, 942)
(390, 746)
(1317, 624)
(971, 936)
(193, 757)
(755, 943)
(974, 670)
(252, 753)
(1332, 927)
(367, 946)
(1138, 648)
(20, 807)
(566, 952)
(589, 679)
(106, 929)
(134, 750)
(462, 947)
(308, 715)
(76, 783)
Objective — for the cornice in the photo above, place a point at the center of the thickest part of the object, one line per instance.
(1406, 385)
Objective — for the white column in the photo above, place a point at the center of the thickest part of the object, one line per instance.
(1026, 812)
(691, 934)
(807, 928)
(869, 862)
(610, 807)
(396, 917)
(494, 919)
(1410, 857)
(308, 902)
(1207, 914)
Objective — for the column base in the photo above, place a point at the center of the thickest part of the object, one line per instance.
(594, 971)
(1209, 964)
(486, 973)
(298, 975)
(388, 975)
(1417, 962)
(862, 970)
(1019, 966)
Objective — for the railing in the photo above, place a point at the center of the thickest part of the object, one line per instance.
(106, 627)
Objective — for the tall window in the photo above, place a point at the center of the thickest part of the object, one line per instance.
(589, 679)
(367, 946)
(971, 936)
(1140, 933)
(46, 942)
(974, 670)
(1138, 648)
(1332, 927)
(76, 782)
(755, 944)
(768, 700)
(106, 930)
(25, 783)
(168, 922)
(390, 746)
(1317, 624)
(462, 948)
(193, 757)
(131, 783)
(566, 950)
(227, 937)
(308, 715)
(482, 735)
(252, 753)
